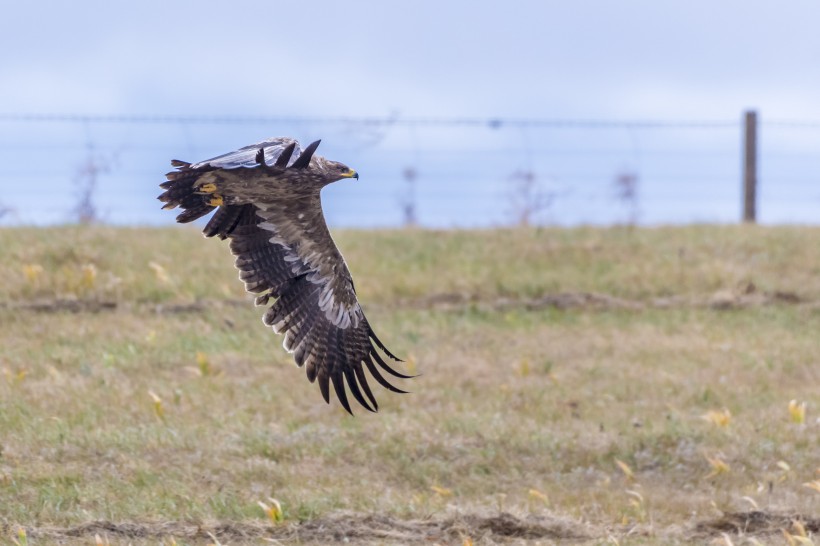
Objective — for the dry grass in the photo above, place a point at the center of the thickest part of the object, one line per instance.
(143, 391)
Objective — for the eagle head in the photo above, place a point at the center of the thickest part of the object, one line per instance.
(334, 171)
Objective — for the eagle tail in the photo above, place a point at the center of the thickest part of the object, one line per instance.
(181, 191)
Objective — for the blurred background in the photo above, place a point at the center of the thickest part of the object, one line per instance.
(456, 114)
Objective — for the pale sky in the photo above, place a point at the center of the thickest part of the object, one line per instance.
(626, 60)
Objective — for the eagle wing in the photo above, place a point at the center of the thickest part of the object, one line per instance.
(315, 303)
(286, 255)
(246, 157)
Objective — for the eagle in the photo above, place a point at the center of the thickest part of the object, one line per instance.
(267, 202)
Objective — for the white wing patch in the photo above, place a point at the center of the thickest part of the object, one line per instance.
(246, 156)
(340, 314)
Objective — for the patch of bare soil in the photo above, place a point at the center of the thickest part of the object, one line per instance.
(757, 523)
(745, 297)
(338, 528)
(354, 528)
(728, 299)
(68, 305)
(500, 526)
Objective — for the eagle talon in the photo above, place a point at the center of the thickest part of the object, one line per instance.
(210, 187)
(216, 201)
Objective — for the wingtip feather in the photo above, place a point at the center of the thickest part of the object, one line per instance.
(365, 387)
(324, 386)
(378, 377)
(386, 367)
(339, 387)
(355, 391)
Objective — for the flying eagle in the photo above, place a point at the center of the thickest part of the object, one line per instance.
(267, 202)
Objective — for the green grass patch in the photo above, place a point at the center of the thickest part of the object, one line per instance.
(113, 415)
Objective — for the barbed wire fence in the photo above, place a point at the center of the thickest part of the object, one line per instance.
(432, 172)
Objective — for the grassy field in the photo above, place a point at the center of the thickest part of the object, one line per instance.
(646, 386)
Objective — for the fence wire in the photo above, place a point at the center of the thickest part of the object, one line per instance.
(434, 172)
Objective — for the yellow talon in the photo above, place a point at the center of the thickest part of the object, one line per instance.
(217, 201)
(208, 188)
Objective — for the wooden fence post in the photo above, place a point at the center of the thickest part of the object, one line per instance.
(750, 167)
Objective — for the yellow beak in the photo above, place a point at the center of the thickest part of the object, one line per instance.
(350, 174)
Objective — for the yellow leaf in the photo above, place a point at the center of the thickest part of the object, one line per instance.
(203, 363)
(524, 367)
(625, 469)
(536, 494)
(441, 491)
(719, 466)
(273, 511)
(813, 485)
(21, 539)
(720, 418)
(799, 528)
(797, 412)
(160, 273)
(32, 272)
(15, 378)
(89, 276)
(789, 538)
(637, 498)
(158, 409)
(794, 540)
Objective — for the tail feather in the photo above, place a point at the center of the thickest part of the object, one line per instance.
(180, 191)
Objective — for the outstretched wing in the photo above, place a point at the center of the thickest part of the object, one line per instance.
(284, 252)
(246, 156)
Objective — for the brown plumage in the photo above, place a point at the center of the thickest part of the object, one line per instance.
(267, 202)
